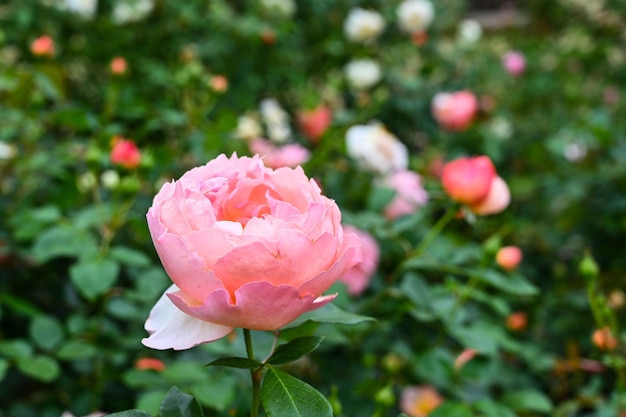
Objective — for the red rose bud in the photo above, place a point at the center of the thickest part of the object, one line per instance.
(125, 153)
(314, 123)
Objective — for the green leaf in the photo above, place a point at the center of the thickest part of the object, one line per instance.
(295, 349)
(528, 400)
(42, 368)
(19, 305)
(330, 313)
(379, 197)
(4, 366)
(179, 404)
(130, 413)
(235, 362)
(283, 395)
(16, 349)
(489, 408)
(451, 409)
(77, 349)
(63, 241)
(94, 277)
(513, 284)
(46, 331)
(129, 256)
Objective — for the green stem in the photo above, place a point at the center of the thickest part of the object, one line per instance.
(256, 375)
(434, 231)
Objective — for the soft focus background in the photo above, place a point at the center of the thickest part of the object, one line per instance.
(103, 101)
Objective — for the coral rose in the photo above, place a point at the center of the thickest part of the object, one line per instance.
(43, 46)
(603, 339)
(358, 277)
(475, 183)
(125, 153)
(419, 401)
(118, 66)
(509, 257)
(314, 123)
(245, 246)
(455, 111)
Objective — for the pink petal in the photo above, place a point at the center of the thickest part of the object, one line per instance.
(170, 328)
(257, 305)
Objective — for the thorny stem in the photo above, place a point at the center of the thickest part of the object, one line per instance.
(256, 375)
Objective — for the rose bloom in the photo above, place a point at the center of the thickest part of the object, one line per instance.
(363, 73)
(43, 46)
(248, 127)
(153, 364)
(290, 155)
(376, 149)
(419, 401)
(455, 111)
(314, 123)
(219, 83)
(358, 277)
(118, 66)
(509, 257)
(517, 321)
(245, 246)
(415, 15)
(514, 63)
(410, 193)
(125, 153)
(603, 339)
(469, 32)
(363, 25)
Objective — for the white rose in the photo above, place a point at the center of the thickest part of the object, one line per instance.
(284, 7)
(376, 149)
(363, 25)
(131, 10)
(6, 151)
(363, 73)
(248, 127)
(85, 8)
(470, 31)
(415, 15)
(272, 113)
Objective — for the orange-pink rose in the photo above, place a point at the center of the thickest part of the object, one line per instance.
(314, 123)
(419, 401)
(475, 183)
(509, 257)
(290, 155)
(43, 46)
(359, 276)
(125, 153)
(237, 239)
(455, 111)
(118, 66)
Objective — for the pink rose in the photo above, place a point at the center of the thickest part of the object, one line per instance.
(410, 193)
(419, 401)
(125, 153)
(314, 123)
(358, 277)
(514, 63)
(475, 183)
(118, 66)
(509, 257)
(43, 46)
(455, 111)
(245, 246)
(274, 156)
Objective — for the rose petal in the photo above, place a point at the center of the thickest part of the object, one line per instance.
(170, 328)
(257, 306)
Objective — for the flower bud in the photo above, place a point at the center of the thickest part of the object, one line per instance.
(517, 321)
(603, 339)
(43, 46)
(118, 66)
(314, 123)
(125, 153)
(509, 257)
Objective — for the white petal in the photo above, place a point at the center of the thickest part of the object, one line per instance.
(170, 328)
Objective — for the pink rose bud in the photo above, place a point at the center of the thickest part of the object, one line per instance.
(509, 257)
(43, 46)
(314, 123)
(358, 277)
(468, 180)
(464, 357)
(149, 364)
(419, 401)
(219, 83)
(118, 66)
(410, 193)
(125, 153)
(245, 246)
(455, 111)
(514, 63)
(290, 155)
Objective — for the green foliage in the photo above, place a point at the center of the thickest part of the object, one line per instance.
(284, 395)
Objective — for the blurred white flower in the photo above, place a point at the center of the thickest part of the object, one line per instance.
(501, 128)
(469, 32)
(276, 119)
(248, 127)
(279, 133)
(376, 149)
(284, 7)
(126, 11)
(575, 152)
(110, 179)
(6, 151)
(86, 181)
(415, 15)
(363, 73)
(363, 25)
(85, 8)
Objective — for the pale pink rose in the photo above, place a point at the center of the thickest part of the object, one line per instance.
(514, 63)
(475, 183)
(410, 193)
(314, 123)
(245, 246)
(274, 156)
(455, 111)
(419, 401)
(509, 257)
(358, 277)
(125, 153)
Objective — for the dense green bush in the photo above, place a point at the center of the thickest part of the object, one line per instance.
(79, 275)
